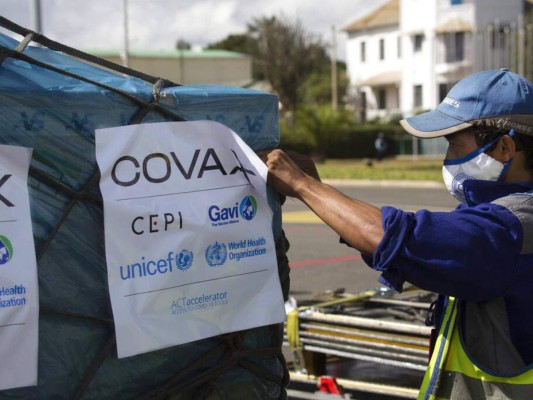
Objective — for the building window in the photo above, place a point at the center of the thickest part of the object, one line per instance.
(399, 47)
(417, 100)
(363, 107)
(455, 46)
(499, 40)
(363, 52)
(381, 49)
(456, 2)
(444, 89)
(382, 99)
(417, 42)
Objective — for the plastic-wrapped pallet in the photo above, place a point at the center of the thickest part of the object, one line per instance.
(53, 102)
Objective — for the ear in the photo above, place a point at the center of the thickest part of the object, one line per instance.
(505, 149)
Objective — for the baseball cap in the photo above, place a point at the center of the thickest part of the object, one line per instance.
(497, 98)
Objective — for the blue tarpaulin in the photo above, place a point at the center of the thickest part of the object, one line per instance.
(52, 103)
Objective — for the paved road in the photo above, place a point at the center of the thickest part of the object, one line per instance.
(320, 263)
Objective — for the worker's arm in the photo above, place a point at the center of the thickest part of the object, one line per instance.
(357, 222)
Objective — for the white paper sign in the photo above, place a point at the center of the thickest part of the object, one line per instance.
(19, 299)
(188, 234)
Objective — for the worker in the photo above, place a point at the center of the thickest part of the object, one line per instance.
(380, 144)
(478, 257)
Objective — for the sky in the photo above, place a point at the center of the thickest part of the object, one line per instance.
(158, 24)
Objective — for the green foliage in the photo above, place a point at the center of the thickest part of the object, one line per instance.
(327, 134)
(241, 43)
(324, 125)
(317, 88)
(295, 137)
(359, 142)
(294, 62)
(310, 130)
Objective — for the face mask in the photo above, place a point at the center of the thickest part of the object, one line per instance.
(475, 165)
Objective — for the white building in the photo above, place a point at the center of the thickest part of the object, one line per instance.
(404, 57)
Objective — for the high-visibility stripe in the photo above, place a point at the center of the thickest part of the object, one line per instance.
(432, 374)
(458, 361)
(460, 386)
(452, 374)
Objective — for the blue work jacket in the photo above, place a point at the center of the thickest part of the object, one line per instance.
(478, 252)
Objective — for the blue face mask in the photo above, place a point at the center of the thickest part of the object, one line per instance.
(475, 165)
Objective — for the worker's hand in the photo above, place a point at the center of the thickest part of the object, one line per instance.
(284, 173)
(305, 163)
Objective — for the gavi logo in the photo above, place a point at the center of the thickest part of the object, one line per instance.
(220, 215)
(248, 208)
(6, 250)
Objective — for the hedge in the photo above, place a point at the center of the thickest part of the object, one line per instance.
(357, 142)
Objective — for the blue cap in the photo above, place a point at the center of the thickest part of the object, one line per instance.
(497, 98)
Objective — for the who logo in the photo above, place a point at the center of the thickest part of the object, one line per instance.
(6, 250)
(248, 207)
(216, 254)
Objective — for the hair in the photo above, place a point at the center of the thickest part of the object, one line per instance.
(486, 133)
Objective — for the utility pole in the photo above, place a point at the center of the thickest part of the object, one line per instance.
(521, 46)
(334, 96)
(182, 45)
(126, 55)
(36, 17)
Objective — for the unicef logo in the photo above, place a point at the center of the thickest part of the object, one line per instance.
(216, 254)
(248, 207)
(6, 250)
(184, 260)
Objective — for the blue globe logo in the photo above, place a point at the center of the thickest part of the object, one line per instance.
(184, 260)
(6, 250)
(248, 208)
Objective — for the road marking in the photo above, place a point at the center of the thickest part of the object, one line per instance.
(317, 261)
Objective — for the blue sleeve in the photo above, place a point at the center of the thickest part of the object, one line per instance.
(469, 253)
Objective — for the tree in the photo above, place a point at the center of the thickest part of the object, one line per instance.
(317, 87)
(241, 43)
(182, 45)
(288, 56)
(294, 62)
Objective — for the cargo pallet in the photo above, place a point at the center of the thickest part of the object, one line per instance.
(378, 329)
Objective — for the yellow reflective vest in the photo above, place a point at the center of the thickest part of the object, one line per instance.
(453, 373)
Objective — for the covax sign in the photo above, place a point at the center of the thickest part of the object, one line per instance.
(173, 277)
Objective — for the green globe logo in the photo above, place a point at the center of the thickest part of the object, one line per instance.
(6, 250)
